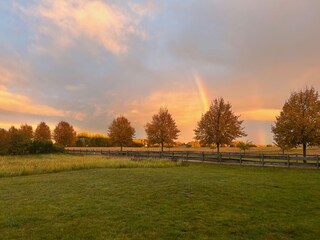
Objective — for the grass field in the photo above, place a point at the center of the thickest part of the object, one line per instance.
(199, 201)
(39, 164)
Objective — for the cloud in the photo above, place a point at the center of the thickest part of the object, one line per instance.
(260, 114)
(185, 107)
(251, 53)
(67, 22)
(75, 88)
(16, 103)
(5, 76)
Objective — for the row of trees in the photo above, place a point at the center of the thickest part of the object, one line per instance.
(161, 130)
(297, 124)
(219, 125)
(24, 140)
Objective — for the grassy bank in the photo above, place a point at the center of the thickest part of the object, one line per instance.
(196, 202)
(38, 164)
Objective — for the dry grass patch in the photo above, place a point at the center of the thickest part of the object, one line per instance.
(38, 164)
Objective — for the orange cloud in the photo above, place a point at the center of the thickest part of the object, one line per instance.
(96, 20)
(260, 114)
(5, 76)
(22, 104)
(185, 107)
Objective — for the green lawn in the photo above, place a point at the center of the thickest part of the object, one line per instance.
(199, 201)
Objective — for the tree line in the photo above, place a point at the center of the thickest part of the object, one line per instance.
(219, 125)
(23, 140)
(297, 124)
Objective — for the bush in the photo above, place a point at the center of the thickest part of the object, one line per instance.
(19, 143)
(41, 146)
(135, 144)
(84, 141)
(58, 149)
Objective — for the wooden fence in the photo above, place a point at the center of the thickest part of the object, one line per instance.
(289, 160)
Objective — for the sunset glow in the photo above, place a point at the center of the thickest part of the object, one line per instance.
(260, 114)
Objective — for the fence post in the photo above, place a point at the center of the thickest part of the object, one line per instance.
(229, 156)
(172, 155)
(202, 156)
(187, 155)
(317, 161)
(240, 159)
(220, 157)
(288, 160)
(262, 160)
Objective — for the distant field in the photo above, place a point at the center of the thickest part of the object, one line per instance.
(266, 150)
(198, 201)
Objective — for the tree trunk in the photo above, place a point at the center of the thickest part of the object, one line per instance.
(162, 147)
(218, 147)
(121, 147)
(304, 151)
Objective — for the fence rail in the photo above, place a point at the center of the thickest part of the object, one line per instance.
(289, 160)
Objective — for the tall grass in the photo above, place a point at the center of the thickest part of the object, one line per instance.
(38, 164)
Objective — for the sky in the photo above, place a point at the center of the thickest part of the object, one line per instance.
(87, 62)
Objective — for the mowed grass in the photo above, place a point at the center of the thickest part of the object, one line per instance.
(201, 201)
(38, 164)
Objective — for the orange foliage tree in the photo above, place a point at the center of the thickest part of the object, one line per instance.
(121, 132)
(299, 120)
(219, 125)
(162, 129)
(27, 131)
(64, 134)
(42, 132)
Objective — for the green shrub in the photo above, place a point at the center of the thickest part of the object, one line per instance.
(41, 146)
(58, 149)
(19, 143)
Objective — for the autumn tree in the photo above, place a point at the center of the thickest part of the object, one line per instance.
(19, 140)
(42, 132)
(219, 125)
(281, 141)
(299, 120)
(64, 134)
(27, 131)
(162, 129)
(121, 132)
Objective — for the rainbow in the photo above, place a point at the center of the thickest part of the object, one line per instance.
(202, 93)
(261, 137)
